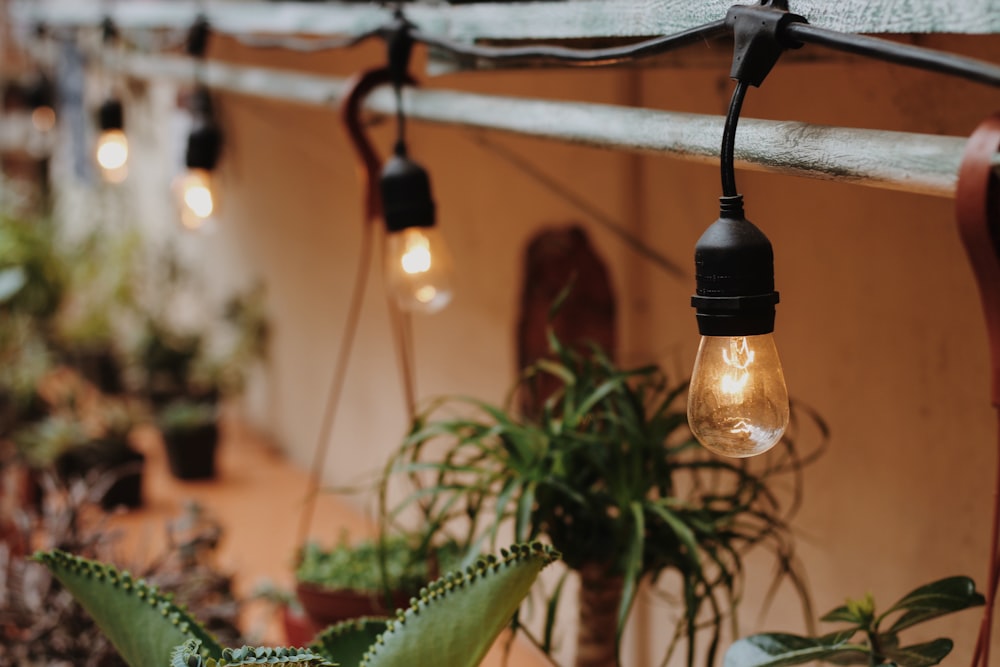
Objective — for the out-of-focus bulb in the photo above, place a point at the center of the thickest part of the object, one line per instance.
(195, 195)
(737, 401)
(418, 269)
(43, 118)
(112, 155)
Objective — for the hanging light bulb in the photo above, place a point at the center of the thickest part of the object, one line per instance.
(111, 150)
(39, 97)
(417, 263)
(194, 188)
(737, 400)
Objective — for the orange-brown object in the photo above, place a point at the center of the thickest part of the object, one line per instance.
(557, 258)
(977, 199)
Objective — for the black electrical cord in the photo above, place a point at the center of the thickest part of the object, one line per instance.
(727, 156)
(909, 55)
(543, 54)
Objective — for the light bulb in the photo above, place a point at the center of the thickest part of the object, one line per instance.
(43, 118)
(737, 401)
(418, 269)
(196, 200)
(112, 155)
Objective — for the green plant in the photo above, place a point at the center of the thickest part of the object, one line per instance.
(610, 474)
(42, 443)
(41, 624)
(395, 563)
(879, 646)
(453, 621)
(185, 415)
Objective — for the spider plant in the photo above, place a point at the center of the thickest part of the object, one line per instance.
(610, 475)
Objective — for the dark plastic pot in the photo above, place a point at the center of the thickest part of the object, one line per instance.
(191, 452)
(107, 457)
(327, 606)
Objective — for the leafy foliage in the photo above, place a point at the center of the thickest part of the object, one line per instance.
(371, 566)
(608, 473)
(878, 646)
(453, 620)
(41, 623)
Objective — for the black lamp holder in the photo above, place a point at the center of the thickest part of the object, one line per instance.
(205, 140)
(405, 186)
(734, 261)
(111, 115)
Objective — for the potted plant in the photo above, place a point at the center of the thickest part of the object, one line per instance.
(880, 643)
(190, 432)
(367, 579)
(452, 621)
(609, 473)
(62, 443)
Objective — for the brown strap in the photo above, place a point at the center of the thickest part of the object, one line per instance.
(977, 199)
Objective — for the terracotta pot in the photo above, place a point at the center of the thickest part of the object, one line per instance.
(299, 630)
(327, 606)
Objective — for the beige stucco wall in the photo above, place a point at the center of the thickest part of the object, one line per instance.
(879, 326)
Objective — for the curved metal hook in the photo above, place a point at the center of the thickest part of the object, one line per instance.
(369, 163)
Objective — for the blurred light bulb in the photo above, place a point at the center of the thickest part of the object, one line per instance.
(194, 192)
(112, 155)
(43, 118)
(737, 401)
(418, 269)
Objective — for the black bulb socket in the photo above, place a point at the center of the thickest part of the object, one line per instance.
(406, 194)
(111, 115)
(203, 146)
(734, 273)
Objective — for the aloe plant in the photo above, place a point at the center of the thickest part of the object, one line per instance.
(879, 645)
(453, 621)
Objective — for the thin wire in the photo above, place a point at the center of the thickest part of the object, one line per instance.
(560, 190)
(727, 155)
(909, 55)
(337, 382)
(302, 44)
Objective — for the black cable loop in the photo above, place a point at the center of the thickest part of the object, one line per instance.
(727, 155)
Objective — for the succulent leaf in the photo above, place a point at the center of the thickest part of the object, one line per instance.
(347, 642)
(457, 617)
(143, 624)
(189, 654)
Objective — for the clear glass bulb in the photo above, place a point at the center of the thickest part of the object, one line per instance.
(194, 192)
(737, 401)
(111, 153)
(418, 269)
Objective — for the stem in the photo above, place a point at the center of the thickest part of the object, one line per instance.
(600, 595)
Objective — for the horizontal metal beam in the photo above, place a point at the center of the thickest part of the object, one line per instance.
(519, 21)
(892, 160)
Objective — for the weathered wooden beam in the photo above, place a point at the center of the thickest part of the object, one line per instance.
(517, 21)
(893, 160)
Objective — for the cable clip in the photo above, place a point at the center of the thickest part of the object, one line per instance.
(758, 38)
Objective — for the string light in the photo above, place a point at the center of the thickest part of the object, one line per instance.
(737, 400)
(111, 148)
(194, 189)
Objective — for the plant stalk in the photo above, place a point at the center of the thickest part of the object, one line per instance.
(600, 595)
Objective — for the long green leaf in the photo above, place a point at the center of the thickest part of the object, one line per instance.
(935, 599)
(143, 625)
(457, 618)
(921, 655)
(778, 650)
